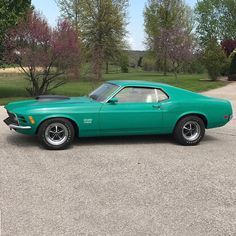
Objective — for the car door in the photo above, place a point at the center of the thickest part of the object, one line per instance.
(137, 111)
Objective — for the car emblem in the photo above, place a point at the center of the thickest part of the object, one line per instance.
(88, 121)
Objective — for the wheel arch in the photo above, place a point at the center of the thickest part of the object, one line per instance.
(73, 122)
(200, 115)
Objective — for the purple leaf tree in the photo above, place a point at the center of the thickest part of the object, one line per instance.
(228, 45)
(43, 54)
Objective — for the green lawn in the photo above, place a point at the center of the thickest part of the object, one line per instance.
(12, 85)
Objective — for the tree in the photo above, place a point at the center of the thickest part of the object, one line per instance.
(176, 44)
(228, 45)
(70, 11)
(11, 12)
(232, 68)
(149, 62)
(216, 19)
(124, 63)
(161, 16)
(140, 62)
(43, 53)
(102, 26)
(214, 59)
(216, 22)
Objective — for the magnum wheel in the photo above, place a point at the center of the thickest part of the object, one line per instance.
(189, 130)
(56, 134)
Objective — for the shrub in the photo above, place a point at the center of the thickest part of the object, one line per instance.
(124, 63)
(214, 59)
(232, 68)
(149, 63)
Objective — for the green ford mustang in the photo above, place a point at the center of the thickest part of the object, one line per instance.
(119, 108)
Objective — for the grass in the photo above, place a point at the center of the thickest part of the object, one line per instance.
(12, 85)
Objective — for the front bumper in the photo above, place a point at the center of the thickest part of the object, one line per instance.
(13, 123)
(11, 126)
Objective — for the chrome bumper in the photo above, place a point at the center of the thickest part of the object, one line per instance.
(11, 126)
(13, 123)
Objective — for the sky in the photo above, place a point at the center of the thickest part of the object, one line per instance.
(135, 28)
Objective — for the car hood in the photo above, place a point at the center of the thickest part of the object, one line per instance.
(35, 104)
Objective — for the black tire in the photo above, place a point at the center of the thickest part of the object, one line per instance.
(61, 125)
(182, 130)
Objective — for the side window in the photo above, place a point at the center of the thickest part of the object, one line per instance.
(136, 94)
(161, 96)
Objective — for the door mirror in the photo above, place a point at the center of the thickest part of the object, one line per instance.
(113, 101)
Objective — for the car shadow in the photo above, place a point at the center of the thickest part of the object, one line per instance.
(22, 140)
(209, 138)
(127, 140)
(29, 141)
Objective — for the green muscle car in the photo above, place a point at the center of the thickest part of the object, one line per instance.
(119, 108)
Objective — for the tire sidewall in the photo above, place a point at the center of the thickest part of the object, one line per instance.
(42, 136)
(178, 135)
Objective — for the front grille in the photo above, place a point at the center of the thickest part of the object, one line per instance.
(12, 118)
(21, 119)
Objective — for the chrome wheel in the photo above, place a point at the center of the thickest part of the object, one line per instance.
(191, 131)
(56, 134)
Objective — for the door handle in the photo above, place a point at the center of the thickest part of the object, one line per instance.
(157, 107)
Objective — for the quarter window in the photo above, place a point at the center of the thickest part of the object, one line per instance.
(161, 96)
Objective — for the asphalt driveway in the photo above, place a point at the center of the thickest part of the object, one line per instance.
(120, 186)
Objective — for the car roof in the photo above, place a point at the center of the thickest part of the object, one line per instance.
(124, 83)
(172, 91)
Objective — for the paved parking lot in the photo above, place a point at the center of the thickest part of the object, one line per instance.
(120, 186)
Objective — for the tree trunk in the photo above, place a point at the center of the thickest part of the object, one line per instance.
(107, 68)
(165, 63)
(157, 65)
(97, 64)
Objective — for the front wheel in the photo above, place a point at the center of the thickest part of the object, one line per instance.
(189, 130)
(56, 134)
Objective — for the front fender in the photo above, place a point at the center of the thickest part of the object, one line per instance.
(54, 116)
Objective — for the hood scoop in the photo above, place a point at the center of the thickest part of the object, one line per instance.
(48, 98)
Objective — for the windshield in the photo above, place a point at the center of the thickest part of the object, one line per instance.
(103, 92)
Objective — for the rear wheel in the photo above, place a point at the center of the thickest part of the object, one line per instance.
(56, 134)
(189, 130)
